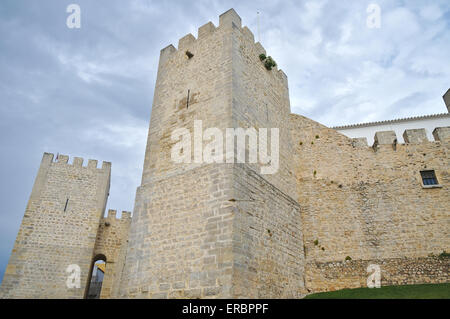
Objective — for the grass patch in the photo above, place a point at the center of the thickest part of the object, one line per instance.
(432, 291)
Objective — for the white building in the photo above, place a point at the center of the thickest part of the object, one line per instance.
(428, 122)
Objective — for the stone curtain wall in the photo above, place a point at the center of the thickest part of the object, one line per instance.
(112, 238)
(369, 203)
(394, 271)
(267, 239)
(50, 239)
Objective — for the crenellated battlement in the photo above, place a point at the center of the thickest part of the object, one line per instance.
(441, 134)
(227, 20)
(206, 29)
(77, 162)
(412, 136)
(415, 136)
(111, 216)
(65, 207)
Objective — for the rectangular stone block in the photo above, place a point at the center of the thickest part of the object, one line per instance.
(441, 133)
(246, 31)
(92, 163)
(385, 138)
(229, 17)
(206, 29)
(78, 161)
(415, 136)
(166, 53)
(186, 41)
(360, 142)
(62, 159)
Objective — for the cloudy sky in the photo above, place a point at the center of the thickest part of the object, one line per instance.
(87, 92)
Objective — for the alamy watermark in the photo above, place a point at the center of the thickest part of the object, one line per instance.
(74, 19)
(374, 16)
(216, 152)
(74, 278)
(374, 279)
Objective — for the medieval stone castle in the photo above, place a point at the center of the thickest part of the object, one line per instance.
(199, 230)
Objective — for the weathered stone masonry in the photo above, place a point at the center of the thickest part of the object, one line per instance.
(62, 225)
(209, 230)
(201, 230)
(111, 244)
(369, 204)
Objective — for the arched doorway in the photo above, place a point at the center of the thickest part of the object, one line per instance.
(96, 277)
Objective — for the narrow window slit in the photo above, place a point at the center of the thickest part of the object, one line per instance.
(65, 207)
(187, 102)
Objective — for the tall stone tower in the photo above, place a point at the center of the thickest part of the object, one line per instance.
(59, 229)
(215, 230)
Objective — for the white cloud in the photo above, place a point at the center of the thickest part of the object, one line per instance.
(341, 72)
(122, 135)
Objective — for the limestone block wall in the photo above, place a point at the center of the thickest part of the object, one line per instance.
(267, 233)
(111, 244)
(180, 243)
(329, 207)
(176, 248)
(369, 203)
(267, 239)
(261, 100)
(188, 238)
(206, 78)
(338, 275)
(59, 228)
